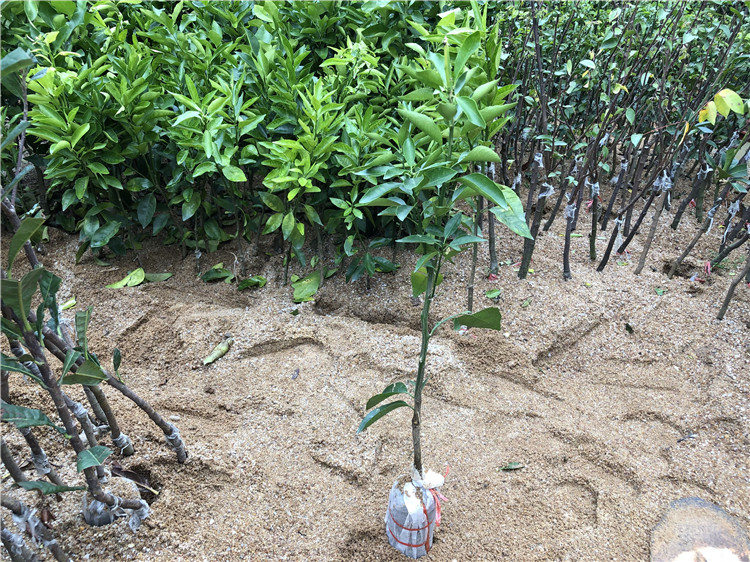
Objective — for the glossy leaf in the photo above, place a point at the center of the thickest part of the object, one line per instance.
(27, 417)
(24, 233)
(82, 325)
(17, 294)
(423, 123)
(135, 277)
(47, 488)
(379, 412)
(390, 390)
(489, 318)
(305, 288)
(146, 210)
(88, 373)
(92, 457)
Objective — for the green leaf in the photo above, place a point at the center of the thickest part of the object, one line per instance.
(24, 233)
(630, 115)
(79, 132)
(190, 207)
(273, 223)
(49, 284)
(254, 281)
(132, 279)
(233, 173)
(92, 457)
(82, 319)
(70, 359)
(379, 412)
(377, 192)
(185, 116)
(46, 488)
(636, 139)
(483, 90)
(390, 390)
(146, 210)
(17, 294)
(12, 365)
(88, 373)
(481, 154)
(419, 281)
(116, 359)
(104, 234)
(588, 63)
(272, 201)
(512, 466)
(15, 60)
(81, 185)
(469, 107)
(489, 318)
(287, 225)
(469, 46)
(203, 168)
(418, 239)
(493, 293)
(26, 417)
(17, 130)
(217, 273)
(424, 123)
(98, 168)
(305, 288)
(157, 277)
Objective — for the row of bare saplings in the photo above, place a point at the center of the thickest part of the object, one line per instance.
(88, 418)
(612, 147)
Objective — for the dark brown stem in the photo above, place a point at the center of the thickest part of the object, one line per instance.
(652, 231)
(736, 281)
(10, 463)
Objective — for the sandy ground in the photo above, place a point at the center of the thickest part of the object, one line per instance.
(609, 425)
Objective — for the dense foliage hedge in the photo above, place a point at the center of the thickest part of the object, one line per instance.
(208, 121)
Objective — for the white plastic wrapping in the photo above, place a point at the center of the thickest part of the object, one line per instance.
(413, 514)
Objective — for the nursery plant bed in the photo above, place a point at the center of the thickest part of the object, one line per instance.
(610, 424)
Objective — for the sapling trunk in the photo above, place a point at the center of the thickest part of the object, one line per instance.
(636, 226)
(95, 407)
(729, 248)
(39, 457)
(35, 527)
(120, 439)
(594, 221)
(570, 211)
(730, 292)
(16, 547)
(610, 245)
(10, 463)
(533, 221)
(474, 255)
(416, 422)
(652, 231)
(699, 179)
(701, 231)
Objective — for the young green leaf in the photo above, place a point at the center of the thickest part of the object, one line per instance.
(70, 359)
(92, 457)
(390, 390)
(254, 281)
(481, 154)
(469, 107)
(489, 318)
(305, 288)
(88, 373)
(379, 412)
(17, 294)
(132, 279)
(25, 231)
(46, 488)
(423, 123)
(26, 417)
(233, 173)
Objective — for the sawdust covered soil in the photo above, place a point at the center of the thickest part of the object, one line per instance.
(614, 397)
